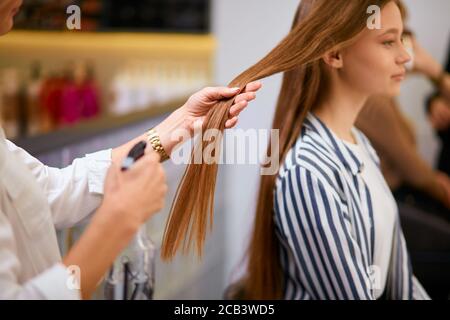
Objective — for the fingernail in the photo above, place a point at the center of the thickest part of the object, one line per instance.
(235, 89)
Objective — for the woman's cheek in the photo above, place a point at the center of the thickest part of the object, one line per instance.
(379, 67)
(368, 78)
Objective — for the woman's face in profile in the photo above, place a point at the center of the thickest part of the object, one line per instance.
(8, 9)
(375, 63)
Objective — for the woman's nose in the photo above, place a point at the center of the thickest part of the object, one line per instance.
(404, 56)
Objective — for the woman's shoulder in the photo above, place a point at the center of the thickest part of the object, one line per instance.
(310, 149)
(309, 157)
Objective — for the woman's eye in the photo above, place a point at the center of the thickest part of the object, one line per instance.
(388, 43)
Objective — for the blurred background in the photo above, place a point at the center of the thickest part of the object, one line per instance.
(67, 93)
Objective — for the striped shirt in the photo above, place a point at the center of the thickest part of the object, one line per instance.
(325, 226)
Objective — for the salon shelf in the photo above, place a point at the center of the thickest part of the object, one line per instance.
(90, 129)
(111, 54)
(110, 51)
(185, 44)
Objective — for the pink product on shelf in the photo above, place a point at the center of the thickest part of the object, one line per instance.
(90, 97)
(79, 102)
(68, 103)
(71, 104)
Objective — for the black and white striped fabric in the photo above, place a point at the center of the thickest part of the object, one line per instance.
(324, 223)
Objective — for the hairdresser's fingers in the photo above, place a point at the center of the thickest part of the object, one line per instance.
(237, 108)
(147, 162)
(248, 96)
(219, 93)
(253, 86)
(231, 123)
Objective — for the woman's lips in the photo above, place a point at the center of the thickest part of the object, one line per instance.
(399, 77)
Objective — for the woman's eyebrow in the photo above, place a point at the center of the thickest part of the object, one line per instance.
(392, 30)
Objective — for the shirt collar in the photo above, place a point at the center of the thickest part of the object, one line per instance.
(344, 153)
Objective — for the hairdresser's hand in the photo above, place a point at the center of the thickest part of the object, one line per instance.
(198, 105)
(424, 62)
(137, 194)
(192, 113)
(440, 114)
(131, 198)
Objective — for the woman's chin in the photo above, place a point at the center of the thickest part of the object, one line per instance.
(393, 90)
(396, 92)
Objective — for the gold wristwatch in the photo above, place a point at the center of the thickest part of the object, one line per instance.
(153, 139)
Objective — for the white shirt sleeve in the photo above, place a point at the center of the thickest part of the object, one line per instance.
(73, 192)
(54, 283)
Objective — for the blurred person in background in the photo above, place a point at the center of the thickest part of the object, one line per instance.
(438, 106)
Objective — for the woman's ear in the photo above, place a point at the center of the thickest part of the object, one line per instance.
(333, 59)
